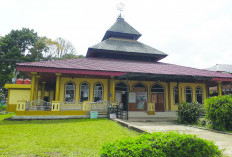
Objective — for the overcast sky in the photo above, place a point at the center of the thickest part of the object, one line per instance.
(194, 33)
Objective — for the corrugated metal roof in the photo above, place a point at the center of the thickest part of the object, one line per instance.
(126, 46)
(122, 27)
(221, 68)
(97, 64)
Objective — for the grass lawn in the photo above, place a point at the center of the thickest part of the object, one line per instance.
(74, 137)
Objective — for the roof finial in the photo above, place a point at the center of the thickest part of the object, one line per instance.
(120, 8)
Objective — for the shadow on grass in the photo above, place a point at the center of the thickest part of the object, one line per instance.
(8, 121)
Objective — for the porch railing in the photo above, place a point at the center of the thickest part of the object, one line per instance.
(71, 106)
(40, 105)
(100, 106)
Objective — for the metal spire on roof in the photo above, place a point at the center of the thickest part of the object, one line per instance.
(120, 8)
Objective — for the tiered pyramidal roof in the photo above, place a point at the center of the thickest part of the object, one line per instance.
(120, 54)
(120, 42)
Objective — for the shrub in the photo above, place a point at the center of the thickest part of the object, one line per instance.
(219, 112)
(2, 107)
(161, 144)
(189, 112)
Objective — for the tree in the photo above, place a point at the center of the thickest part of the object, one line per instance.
(13, 48)
(71, 56)
(66, 48)
(21, 46)
(40, 51)
(26, 46)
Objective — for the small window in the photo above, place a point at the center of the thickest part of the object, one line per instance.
(98, 91)
(69, 92)
(84, 94)
(176, 95)
(188, 94)
(199, 95)
(157, 89)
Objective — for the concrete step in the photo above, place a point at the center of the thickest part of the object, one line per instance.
(138, 114)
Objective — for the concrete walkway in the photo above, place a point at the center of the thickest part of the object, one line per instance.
(224, 141)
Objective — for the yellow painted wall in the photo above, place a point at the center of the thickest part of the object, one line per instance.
(16, 95)
(169, 94)
(112, 89)
(23, 94)
(193, 86)
(173, 105)
(78, 82)
(17, 86)
(148, 84)
(19, 95)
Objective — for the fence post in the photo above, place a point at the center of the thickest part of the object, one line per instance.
(21, 106)
(151, 108)
(55, 106)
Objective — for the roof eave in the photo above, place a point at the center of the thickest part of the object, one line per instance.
(109, 34)
(25, 68)
(94, 50)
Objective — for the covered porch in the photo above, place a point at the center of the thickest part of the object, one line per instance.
(139, 95)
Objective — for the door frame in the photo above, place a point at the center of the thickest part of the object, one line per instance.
(164, 98)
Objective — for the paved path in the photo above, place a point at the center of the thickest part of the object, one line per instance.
(224, 141)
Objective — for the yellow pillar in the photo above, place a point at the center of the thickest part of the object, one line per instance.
(179, 93)
(43, 90)
(149, 95)
(32, 86)
(105, 90)
(7, 103)
(206, 91)
(58, 75)
(77, 92)
(36, 87)
(109, 89)
(112, 86)
(194, 94)
(91, 92)
(169, 96)
(219, 88)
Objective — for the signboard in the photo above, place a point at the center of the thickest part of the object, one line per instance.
(93, 114)
(118, 96)
(113, 116)
(141, 99)
(132, 97)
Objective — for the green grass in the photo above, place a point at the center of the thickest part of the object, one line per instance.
(74, 137)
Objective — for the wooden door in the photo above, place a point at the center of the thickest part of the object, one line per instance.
(158, 99)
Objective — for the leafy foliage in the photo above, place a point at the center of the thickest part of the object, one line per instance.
(2, 107)
(64, 50)
(71, 56)
(26, 46)
(161, 144)
(189, 112)
(2, 96)
(13, 49)
(219, 112)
